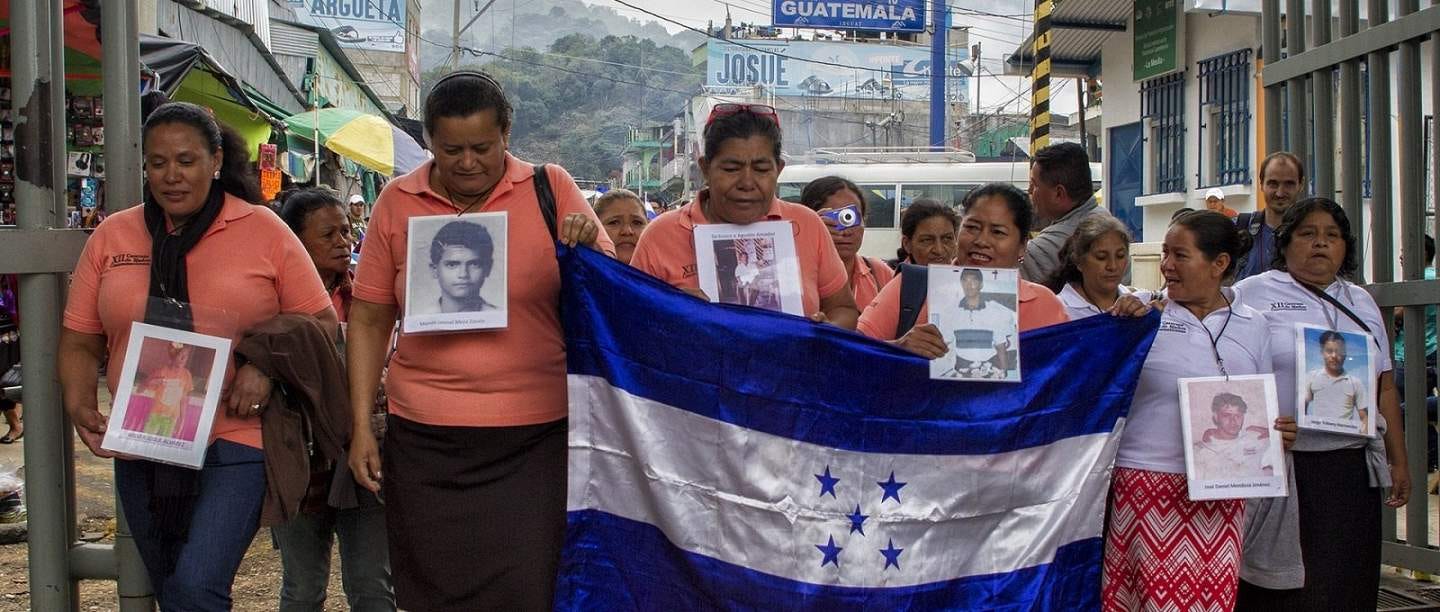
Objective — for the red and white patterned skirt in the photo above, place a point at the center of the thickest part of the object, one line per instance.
(1165, 552)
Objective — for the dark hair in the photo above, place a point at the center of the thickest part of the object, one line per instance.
(1331, 335)
(1228, 399)
(1215, 233)
(1087, 233)
(1015, 200)
(237, 177)
(975, 272)
(297, 204)
(815, 193)
(464, 234)
(1176, 215)
(464, 93)
(1066, 164)
(1285, 155)
(150, 101)
(615, 195)
(742, 125)
(915, 214)
(1296, 214)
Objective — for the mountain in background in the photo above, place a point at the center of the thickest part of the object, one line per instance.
(575, 102)
(535, 24)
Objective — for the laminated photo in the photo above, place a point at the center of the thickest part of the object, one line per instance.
(976, 311)
(456, 278)
(1335, 381)
(167, 396)
(750, 265)
(1232, 450)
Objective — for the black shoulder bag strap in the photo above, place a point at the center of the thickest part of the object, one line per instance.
(915, 282)
(546, 197)
(1320, 293)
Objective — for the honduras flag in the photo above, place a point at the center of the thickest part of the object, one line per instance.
(724, 457)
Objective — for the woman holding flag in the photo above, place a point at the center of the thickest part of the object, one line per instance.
(1163, 551)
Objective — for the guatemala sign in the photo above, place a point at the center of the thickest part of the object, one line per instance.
(376, 25)
(891, 15)
(1157, 36)
(827, 69)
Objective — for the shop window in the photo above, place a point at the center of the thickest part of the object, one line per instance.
(1225, 119)
(1162, 102)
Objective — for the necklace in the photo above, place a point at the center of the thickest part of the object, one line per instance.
(1215, 338)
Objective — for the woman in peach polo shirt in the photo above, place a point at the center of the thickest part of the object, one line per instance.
(473, 471)
(198, 239)
(867, 274)
(742, 166)
(994, 228)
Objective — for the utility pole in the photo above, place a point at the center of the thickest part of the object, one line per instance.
(456, 30)
(1080, 97)
(938, 68)
(1040, 78)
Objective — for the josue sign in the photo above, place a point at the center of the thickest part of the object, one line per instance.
(890, 15)
(839, 69)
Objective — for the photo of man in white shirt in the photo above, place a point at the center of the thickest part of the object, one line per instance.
(982, 332)
(1230, 450)
(1330, 391)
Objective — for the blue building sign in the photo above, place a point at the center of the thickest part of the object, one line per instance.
(888, 15)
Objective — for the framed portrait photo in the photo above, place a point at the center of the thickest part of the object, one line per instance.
(976, 311)
(750, 265)
(456, 276)
(1335, 381)
(167, 396)
(1232, 450)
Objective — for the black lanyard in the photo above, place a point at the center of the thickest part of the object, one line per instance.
(1215, 338)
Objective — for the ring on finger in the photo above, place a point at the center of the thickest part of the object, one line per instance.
(255, 408)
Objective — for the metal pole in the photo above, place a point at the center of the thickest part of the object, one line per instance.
(1412, 221)
(1270, 49)
(1040, 79)
(37, 86)
(1382, 200)
(120, 40)
(454, 37)
(1351, 195)
(1297, 141)
(1080, 100)
(940, 12)
(1322, 165)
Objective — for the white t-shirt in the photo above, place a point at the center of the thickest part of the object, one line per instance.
(1242, 457)
(1077, 306)
(1334, 397)
(981, 330)
(1286, 303)
(1153, 439)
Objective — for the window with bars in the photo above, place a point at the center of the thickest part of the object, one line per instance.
(1162, 101)
(1225, 119)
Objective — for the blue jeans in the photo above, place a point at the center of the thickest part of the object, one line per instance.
(304, 544)
(224, 520)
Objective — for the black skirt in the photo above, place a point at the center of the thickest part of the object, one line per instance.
(476, 515)
(1339, 537)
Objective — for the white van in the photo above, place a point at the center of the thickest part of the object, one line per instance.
(886, 183)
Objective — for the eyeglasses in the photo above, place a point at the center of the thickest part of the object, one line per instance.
(731, 108)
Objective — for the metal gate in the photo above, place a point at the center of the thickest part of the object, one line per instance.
(1301, 86)
(42, 252)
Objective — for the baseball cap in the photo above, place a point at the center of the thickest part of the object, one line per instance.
(1215, 192)
(357, 199)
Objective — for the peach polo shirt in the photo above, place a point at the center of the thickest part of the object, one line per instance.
(1038, 308)
(494, 378)
(248, 265)
(871, 275)
(667, 249)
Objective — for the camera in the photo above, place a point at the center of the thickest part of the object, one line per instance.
(845, 218)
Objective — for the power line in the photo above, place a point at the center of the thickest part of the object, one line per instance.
(480, 53)
(775, 53)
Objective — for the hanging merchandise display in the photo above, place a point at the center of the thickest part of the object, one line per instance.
(269, 171)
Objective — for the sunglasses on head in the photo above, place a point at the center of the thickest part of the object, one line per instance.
(731, 108)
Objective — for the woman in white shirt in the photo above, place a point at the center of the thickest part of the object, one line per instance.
(1319, 548)
(1092, 266)
(1163, 551)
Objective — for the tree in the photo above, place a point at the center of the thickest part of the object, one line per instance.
(574, 103)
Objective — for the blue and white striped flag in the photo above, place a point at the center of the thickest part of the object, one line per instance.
(724, 457)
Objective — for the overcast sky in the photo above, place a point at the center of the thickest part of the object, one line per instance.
(997, 25)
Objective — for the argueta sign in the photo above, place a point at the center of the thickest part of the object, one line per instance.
(891, 15)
